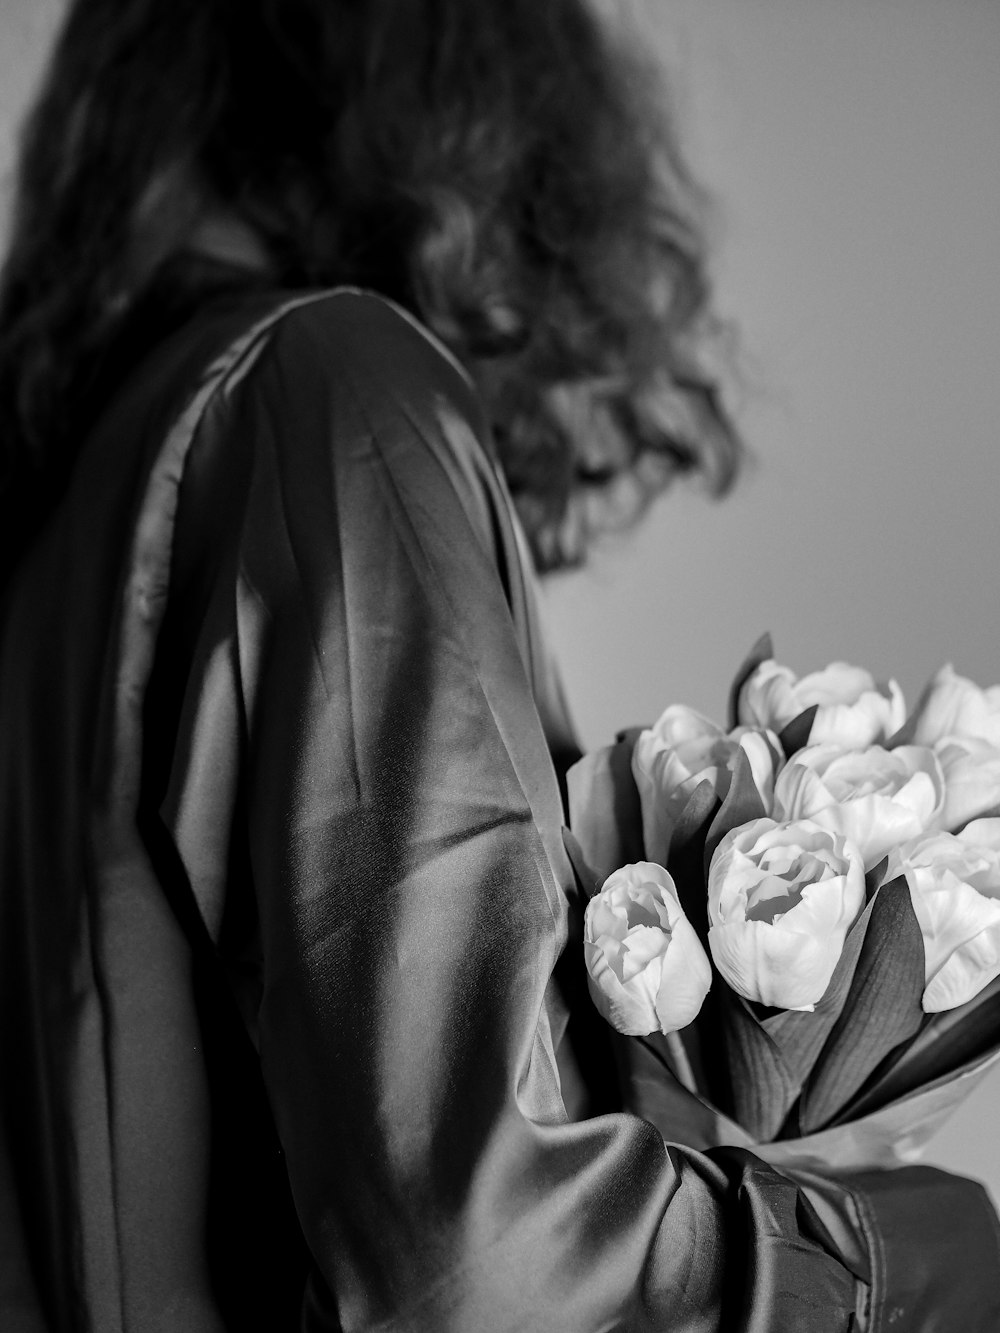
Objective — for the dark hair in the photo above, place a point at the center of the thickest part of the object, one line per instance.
(499, 167)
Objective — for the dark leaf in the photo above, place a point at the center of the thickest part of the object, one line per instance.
(874, 878)
(795, 735)
(587, 880)
(882, 1010)
(696, 817)
(760, 652)
(762, 1088)
(605, 813)
(687, 856)
(904, 736)
(945, 1043)
(801, 1036)
(743, 803)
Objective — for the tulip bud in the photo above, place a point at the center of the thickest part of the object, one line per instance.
(876, 798)
(954, 706)
(647, 970)
(781, 899)
(682, 750)
(971, 780)
(852, 708)
(954, 884)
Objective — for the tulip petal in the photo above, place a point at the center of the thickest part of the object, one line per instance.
(669, 761)
(784, 969)
(874, 797)
(972, 781)
(982, 833)
(961, 933)
(781, 899)
(852, 709)
(968, 971)
(952, 705)
(629, 1010)
(685, 979)
(873, 823)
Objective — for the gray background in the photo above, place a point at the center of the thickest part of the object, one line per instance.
(854, 149)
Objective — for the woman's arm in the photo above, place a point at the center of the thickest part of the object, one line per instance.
(404, 829)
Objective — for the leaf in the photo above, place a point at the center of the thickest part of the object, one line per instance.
(874, 878)
(743, 803)
(946, 1042)
(604, 809)
(760, 652)
(889, 1137)
(882, 1010)
(587, 881)
(905, 734)
(787, 1046)
(762, 1088)
(696, 817)
(795, 734)
(686, 859)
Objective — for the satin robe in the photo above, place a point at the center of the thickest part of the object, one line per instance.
(282, 895)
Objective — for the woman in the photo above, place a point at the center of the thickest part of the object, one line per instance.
(299, 292)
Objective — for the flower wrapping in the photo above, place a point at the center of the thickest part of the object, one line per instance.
(837, 865)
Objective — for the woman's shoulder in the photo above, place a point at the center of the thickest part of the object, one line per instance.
(326, 420)
(366, 366)
(346, 386)
(328, 384)
(361, 328)
(343, 341)
(307, 346)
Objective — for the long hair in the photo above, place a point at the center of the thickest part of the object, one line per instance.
(502, 168)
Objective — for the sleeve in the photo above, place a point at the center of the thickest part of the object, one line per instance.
(404, 832)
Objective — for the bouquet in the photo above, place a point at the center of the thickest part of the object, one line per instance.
(793, 924)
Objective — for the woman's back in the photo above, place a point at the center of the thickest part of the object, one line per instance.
(127, 676)
(262, 463)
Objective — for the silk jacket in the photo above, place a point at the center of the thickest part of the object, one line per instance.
(283, 893)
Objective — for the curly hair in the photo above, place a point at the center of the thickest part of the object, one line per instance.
(505, 169)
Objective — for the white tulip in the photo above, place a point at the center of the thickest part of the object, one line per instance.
(646, 968)
(971, 780)
(954, 884)
(876, 798)
(955, 706)
(682, 750)
(852, 708)
(781, 899)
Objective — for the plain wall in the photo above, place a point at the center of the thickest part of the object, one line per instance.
(25, 30)
(855, 153)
